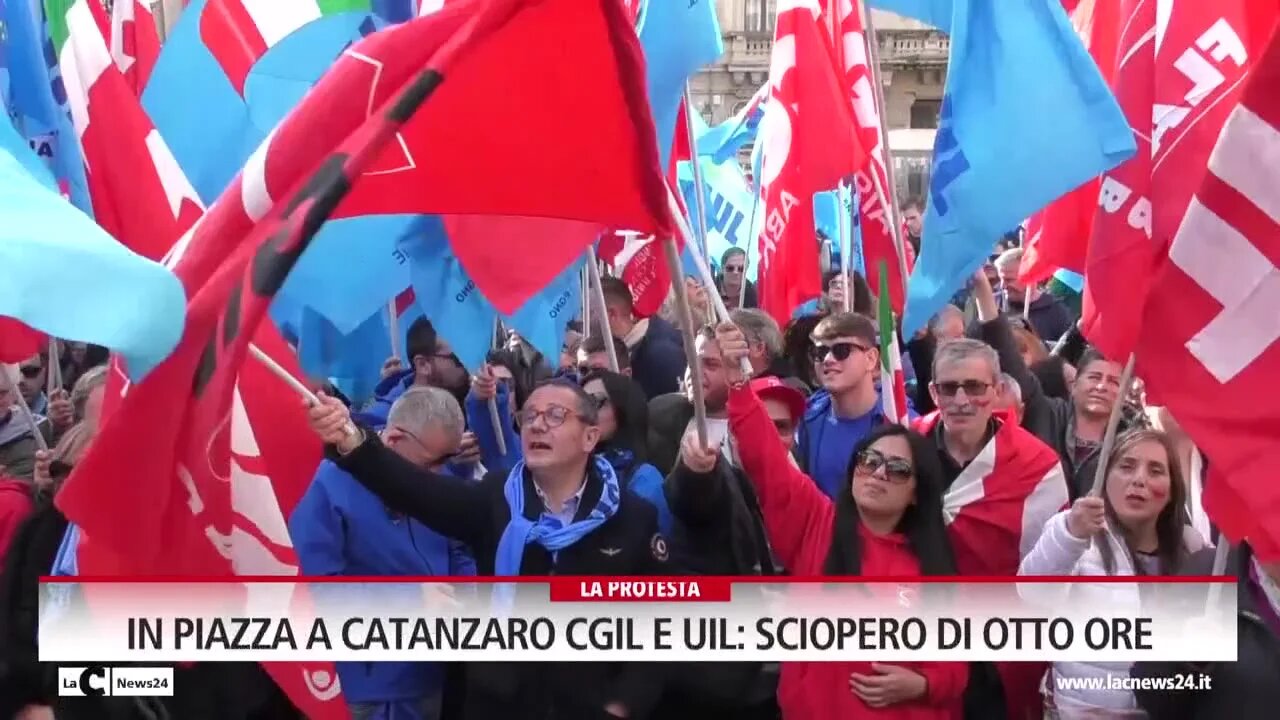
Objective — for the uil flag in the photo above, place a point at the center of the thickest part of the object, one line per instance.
(1210, 340)
(809, 143)
(893, 384)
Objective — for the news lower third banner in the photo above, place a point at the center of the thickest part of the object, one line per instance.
(641, 619)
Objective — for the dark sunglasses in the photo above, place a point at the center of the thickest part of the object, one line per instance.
(896, 470)
(840, 351)
(735, 269)
(972, 388)
(31, 371)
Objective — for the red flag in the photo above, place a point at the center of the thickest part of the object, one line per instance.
(1209, 344)
(810, 143)
(1058, 236)
(640, 262)
(596, 137)
(18, 341)
(135, 42)
(1177, 99)
(875, 219)
(139, 193)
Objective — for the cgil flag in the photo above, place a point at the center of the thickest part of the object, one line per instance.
(140, 194)
(1026, 116)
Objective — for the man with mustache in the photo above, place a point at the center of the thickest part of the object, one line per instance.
(1003, 485)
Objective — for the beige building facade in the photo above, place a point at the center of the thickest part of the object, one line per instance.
(913, 66)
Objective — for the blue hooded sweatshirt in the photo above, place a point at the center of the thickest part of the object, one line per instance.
(385, 395)
(824, 442)
(341, 528)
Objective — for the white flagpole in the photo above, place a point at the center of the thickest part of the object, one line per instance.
(23, 409)
(494, 418)
(597, 290)
(698, 188)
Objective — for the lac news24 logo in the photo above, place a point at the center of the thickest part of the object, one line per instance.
(100, 681)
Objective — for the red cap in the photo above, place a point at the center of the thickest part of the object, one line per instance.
(773, 388)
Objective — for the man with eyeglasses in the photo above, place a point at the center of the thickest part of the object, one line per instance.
(559, 511)
(1003, 485)
(433, 364)
(17, 443)
(845, 356)
(733, 273)
(341, 528)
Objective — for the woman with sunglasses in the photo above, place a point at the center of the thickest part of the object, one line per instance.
(624, 431)
(886, 522)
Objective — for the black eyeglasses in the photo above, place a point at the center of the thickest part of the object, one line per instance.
(972, 388)
(896, 469)
(553, 415)
(31, 371)
(840, 351)
(735, 269)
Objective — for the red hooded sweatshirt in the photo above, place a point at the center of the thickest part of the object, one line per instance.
(15, 505)
(798, 518)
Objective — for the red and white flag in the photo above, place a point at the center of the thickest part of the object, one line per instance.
(140, 194)
(879, 243)
(1210, 343)
(135, 42)
(1178, 78)
(810, 143)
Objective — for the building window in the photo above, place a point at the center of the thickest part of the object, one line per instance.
(760, 15)
(924, 114)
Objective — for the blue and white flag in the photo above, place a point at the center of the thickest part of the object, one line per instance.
(1026, 117)
(728, 203)
(679, 37)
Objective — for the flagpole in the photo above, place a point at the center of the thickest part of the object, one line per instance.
(891, 208)
(698, 188)
(393, 326)
(302, 390)
(597, 290)
(586, 304)
(755, 206)
(25, 410)
(846, 245)
(494, 418)
(686, 331)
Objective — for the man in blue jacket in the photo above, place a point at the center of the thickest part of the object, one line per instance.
(340, 528)
(433, 364)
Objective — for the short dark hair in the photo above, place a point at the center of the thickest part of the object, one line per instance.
(843, 324)
(860, 301)
(595, 344)
(616, 292)
(421, 339)
(724, 259)
(587, 406)
(1090, 355)
(913, 202)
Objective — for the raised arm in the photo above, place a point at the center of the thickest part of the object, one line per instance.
(451, 506)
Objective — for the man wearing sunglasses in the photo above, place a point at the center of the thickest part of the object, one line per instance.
(434, 365)
(17, 443)
(845, 357)
(341, 528)
(733, 273)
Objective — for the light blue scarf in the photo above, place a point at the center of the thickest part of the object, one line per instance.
(547, 531)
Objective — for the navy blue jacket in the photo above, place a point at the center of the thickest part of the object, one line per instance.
(657, 361)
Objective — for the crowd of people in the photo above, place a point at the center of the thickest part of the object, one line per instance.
(802, 474)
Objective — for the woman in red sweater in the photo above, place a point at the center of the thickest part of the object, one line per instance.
(888, 524)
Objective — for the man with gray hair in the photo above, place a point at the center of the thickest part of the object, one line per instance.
(1002, 486)
(1047, 315)
(764, 339)
(341, 528)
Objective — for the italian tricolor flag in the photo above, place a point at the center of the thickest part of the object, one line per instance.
(139, 193)
(893, 385)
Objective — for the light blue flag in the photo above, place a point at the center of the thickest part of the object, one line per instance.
(723, 141)
(679, 37)
(828, 207)
(728, 203)
(137, 306)
(544, 318)
(1026, 117)
(1075, 281)
(37, 99)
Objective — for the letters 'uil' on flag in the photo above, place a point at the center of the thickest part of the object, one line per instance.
(1026, 116)
(808, 143)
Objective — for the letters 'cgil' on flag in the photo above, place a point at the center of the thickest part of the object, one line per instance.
(245, 64)
(140, 195)
(137, 304)
(1026, 117)
(1210, 336)
(38, 99)
(678, 38)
